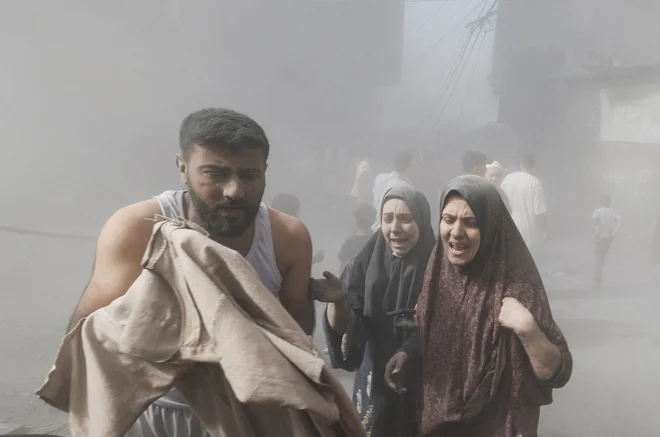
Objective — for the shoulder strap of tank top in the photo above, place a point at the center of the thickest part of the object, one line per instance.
(262, 253)
(171, 204)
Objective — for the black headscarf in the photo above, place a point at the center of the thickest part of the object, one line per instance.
(393, 282)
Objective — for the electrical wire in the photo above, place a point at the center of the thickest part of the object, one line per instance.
(423, 26)
(461, 61)
(21, 231)
(458, 77)
(455, 63)
(474, 68)
(457, 26)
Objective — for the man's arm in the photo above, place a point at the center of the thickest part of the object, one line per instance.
(618, 223)
(295, 247)
(540, 208)
(119, 252)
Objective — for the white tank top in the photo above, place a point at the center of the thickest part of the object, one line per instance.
(261, 257)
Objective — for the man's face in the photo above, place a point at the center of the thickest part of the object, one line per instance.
(493, 175)
(225, 186)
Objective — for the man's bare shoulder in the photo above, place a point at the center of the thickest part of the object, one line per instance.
(288, 233)
(137, 218)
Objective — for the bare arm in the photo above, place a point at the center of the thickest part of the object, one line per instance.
(544, 356)
(119, 252)
(338, 314)
(540, 208)
(295, 295)
(550, 359)
(619, 223)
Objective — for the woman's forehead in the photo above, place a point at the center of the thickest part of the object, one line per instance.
(396, 205)
(456, 204)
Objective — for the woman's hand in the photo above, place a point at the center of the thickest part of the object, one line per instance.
(328, 289)
(516, 317)
(395, 371)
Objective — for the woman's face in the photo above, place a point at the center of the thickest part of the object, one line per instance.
(399, 227)
(459, 232)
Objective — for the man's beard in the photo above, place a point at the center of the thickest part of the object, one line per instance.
(223, 227)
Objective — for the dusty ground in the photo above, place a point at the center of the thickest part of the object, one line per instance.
(613, 334)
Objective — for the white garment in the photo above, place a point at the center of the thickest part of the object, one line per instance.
(383, 183)
(262, 253)
(608, 220)
(527, 202)
(362, 187)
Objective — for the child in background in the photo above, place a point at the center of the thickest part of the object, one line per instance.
(363, 217)
(606, 225)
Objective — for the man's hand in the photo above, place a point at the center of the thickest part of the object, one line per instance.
(318, 257)
(516, 317)
(395, 371)
(328, 289)
(545, 235)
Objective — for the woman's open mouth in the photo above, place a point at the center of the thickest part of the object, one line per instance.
(458, 249)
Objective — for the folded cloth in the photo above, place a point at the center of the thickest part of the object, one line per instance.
(199, 319)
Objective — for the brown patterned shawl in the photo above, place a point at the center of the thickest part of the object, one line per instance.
(477, 377)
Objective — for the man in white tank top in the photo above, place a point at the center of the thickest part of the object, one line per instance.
(223, 164)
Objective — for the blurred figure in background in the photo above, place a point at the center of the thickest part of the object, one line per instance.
(494, 173)
(362, 187)
(474, 163)
(385, 181)
(290, 205)
(606, 225)
(527, 200)
(286, 203)
(363, 217)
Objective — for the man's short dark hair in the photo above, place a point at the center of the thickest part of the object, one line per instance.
(528, 161)
(286, 203)
(364, 216)
(473, 159)
(218, 127)
(402, 161)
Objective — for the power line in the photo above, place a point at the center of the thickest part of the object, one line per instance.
(455, 62)
(462, 59)
(474, 69)
(419, 30)
(458, 25)
(21, 231)
(458, 78)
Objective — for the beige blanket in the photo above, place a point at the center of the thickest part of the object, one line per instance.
(197, 318)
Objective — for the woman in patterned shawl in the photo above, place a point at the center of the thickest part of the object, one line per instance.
(491, 351)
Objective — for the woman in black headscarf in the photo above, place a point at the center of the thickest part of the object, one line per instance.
(368, 323)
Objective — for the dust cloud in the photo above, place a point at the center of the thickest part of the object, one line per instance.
(92, 96)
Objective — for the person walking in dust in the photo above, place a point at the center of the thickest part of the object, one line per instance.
(527, 200)
(607, 223)
(222, 163)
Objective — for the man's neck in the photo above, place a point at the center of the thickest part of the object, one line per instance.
(241, 244)
(362, 232)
